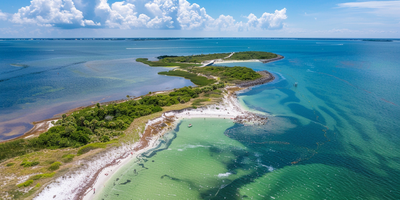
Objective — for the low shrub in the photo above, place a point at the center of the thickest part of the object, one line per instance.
(90, 147)
(198, 80)
(25, 184)
(54, 166)
(197, 102)
(10, 164)
(49, 162)
(104, 138)
(68, 158)
(39, 176)
(29, 164)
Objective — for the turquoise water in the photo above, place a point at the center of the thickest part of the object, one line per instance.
(191, 162)
(334, 136)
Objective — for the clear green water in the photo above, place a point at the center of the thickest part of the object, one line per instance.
(192, 163)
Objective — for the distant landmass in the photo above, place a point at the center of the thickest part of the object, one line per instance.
(148, 39)
(378, 40)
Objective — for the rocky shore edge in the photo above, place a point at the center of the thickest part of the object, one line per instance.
(266, 77)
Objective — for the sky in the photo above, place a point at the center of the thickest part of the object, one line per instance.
(200, 18)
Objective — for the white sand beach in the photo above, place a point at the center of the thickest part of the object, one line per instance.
(235, 61)
(103, 166)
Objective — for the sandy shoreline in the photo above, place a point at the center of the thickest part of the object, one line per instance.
(228, 109)
(80, 184)
(93, 174)
(235, 61)
(43, 125)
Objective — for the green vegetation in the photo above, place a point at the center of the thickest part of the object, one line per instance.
(197, 102)
(214, 94)
(162, 63)
(54, 166)
(29, 164)
(16, 148)
(249, 55)
(25, 184)
(39, 176)
(68, 158)
(228, 74)
(198, 80)
(192, 59)
(97, 126)
(100, 126)
(49, 162)
(90, 147)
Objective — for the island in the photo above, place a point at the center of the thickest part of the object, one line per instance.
(115, 132)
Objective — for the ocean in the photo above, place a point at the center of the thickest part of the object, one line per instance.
(334, 136)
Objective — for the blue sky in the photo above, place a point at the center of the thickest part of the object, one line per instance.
(200, 18)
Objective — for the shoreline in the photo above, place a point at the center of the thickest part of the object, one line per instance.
(228, 109)
(42, 126)
(266, 77)
(95, 170)
(103, 165)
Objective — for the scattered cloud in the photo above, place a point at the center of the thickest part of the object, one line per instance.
(268, 20)
(62, 13)
(381, 8)
(3, 16)
(120, 15)
(138, 14)
(192, 16)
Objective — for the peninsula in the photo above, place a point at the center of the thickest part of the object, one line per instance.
(102, 137)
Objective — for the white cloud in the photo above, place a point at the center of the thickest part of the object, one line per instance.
(133, 14)
(154, 8)
(382, 8)
(51, 13)
(165, 12)
(91, 23)
(223, 23)
(179, 14)
(192, 16)
(267, 20)
(3, 16)
(120, 15)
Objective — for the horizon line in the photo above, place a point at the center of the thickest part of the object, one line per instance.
(165, 38)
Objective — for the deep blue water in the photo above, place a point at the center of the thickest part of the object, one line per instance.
(334, 136)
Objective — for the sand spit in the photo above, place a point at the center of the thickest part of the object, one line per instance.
(39, 128)
(229, 108)
(94, 173)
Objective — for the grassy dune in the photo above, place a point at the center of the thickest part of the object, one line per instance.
(198, 80)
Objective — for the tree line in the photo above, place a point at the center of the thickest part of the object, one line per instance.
(100, 123)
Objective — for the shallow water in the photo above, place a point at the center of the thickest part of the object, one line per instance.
(39, 79)
(192, 162)
(334, 136)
